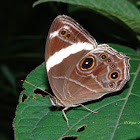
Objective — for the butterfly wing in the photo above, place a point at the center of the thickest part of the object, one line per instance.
(64, 32)
(101, 71)
(67, 41)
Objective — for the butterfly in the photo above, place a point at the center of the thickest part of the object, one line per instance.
(79, 70)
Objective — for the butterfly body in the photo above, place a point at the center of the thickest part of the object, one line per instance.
(78, 69)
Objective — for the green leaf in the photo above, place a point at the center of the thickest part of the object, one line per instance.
(121, 10)
(117, 117)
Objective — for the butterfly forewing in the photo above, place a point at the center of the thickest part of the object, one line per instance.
(67, 42)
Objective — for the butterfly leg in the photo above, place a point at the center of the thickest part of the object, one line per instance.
(88, 108)
(63, 110)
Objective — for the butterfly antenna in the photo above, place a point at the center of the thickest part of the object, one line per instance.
(37, 87)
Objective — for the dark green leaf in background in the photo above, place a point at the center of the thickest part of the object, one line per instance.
(118, 114)
(121, 10)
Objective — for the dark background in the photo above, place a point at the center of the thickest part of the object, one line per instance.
(23, 35)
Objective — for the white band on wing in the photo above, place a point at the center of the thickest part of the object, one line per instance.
(58, 57)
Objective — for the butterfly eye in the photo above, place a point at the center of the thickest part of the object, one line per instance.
(103, 56)
(111, 85)
(113, 66)
(63, 32)
(87, 63)
(114, 75)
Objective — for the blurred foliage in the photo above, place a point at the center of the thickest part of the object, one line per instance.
(23, 35)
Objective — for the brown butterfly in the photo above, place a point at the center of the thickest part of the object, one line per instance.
(78, 69)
